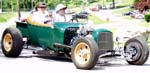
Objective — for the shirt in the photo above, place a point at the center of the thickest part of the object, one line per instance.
(40, 17)
(59, 18)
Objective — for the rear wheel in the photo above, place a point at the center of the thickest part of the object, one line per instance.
(12, 42)
(84, 53)
(136, 51)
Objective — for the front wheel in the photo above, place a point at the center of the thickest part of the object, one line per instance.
(12, 42)
(136, 51)
(84, 53)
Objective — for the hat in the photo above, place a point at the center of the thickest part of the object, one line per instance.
(59, 7)
(41, 5)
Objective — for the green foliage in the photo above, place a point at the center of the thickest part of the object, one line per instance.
(26, 5)
(53, 3)
(147, 17)
(9, 4)
(109, 0)
(92, 1)
(136, 1)
(125, 4)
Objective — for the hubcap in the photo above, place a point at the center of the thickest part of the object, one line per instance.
(7, 42)
(132, 53)
(82, 53)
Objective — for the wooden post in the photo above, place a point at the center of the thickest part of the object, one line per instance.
(32, 4)
(12, 7)
(1, 4)
(19, 14)
(113, 2)
(103, 3)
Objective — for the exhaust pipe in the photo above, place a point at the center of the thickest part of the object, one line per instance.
(58, 45)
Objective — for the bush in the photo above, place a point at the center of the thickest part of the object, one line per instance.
(147, 17)
(136, 1)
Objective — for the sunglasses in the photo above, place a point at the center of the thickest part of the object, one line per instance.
(42, 7)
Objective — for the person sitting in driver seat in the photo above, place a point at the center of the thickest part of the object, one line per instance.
(41, 15)
(60, 15)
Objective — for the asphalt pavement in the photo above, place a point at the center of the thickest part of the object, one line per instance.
(31, 63)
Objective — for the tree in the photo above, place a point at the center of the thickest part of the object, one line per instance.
(11, 5)
(136, 1)
(52, 3)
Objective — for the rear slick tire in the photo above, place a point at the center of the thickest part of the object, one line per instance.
(12, 42)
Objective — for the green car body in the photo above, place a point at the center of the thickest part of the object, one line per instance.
(46, 37)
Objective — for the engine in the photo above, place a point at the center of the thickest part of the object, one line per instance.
(73, 33)
(70, 33)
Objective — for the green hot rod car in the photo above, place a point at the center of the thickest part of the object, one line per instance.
(83, 45)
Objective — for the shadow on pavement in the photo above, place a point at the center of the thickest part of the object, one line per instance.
(28, 54)
(55, 58)
(108, 65)
(45, 57)
(103, 66)
(99, 66)
(144, 65)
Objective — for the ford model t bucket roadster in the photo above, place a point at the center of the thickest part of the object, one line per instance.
(81, 44)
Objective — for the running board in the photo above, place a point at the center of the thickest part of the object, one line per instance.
(43, 52)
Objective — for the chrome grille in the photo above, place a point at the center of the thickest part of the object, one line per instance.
(105, 41)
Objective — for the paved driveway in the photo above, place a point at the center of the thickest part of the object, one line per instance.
(28, 63)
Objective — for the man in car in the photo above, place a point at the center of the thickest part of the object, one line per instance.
(41, 16)
(60, 15)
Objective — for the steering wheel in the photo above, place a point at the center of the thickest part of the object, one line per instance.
(78, 16)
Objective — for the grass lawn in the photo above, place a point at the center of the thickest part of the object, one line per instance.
(144, 24)
(113, 30)
(4, 17)
(96, 20)
(124, 3)
(119, 12)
